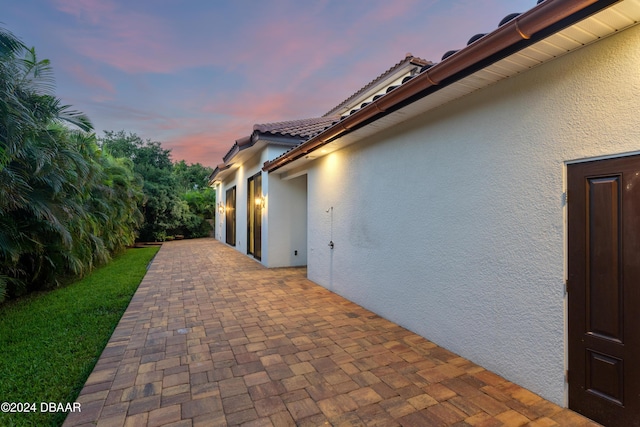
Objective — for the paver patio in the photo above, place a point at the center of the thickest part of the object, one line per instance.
(212, 338)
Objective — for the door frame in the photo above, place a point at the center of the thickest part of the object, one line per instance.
(565, 213)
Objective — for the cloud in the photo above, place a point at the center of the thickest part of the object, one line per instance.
(253, 107)
(114, 33)
(297, 42)
(199, 139)
(120, 37)
(248, 62)
(207, 147)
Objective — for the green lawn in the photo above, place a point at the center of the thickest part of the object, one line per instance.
(50, 341)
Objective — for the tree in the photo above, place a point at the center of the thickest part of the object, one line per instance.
(115, 198)
(200, 198)
(191, 177)
(201, 204)
(161, 204)
(177, 200)
(35, 166)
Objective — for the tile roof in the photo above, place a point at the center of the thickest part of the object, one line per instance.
(409, 58)
(304, 128)
(297, 131)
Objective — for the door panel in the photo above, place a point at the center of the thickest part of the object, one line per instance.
(603, 286)
(604, 376)
(603, 239)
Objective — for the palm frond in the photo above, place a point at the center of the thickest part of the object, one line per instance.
(10, 45)
(37, 74)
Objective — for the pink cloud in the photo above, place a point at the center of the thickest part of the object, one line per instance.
(275, 58)
(293, 61)
(126, 40)
(203, 147)
(248, 108)
(138, 43)
(294, 53)
(288, 50)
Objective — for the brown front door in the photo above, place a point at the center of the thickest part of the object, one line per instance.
(604, 290)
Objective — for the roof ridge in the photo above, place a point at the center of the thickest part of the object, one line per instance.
(408, 58)
(301, 128)
(260, 126)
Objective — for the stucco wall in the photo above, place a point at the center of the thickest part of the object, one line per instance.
(287, 234)
(452, 224)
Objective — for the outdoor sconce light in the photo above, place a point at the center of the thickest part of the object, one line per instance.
(220, 207)
(259, 202)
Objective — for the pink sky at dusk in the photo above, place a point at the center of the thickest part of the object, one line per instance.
(196, 75)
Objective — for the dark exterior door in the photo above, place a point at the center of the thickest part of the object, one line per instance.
(604, 290)
(255, 202)
(230, 216)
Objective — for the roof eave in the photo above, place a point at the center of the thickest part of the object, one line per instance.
(215, 175)
(245, 146)
(543, 16)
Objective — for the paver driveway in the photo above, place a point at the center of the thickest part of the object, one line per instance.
(212, 338)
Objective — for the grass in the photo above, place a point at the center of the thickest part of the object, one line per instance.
(50, 341)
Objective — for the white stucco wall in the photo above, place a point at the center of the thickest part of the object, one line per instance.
(452, 224)
(287, 234)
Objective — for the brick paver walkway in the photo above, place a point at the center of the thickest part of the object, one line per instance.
(212, 338)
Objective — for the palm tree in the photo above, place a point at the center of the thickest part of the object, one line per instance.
(65, 205)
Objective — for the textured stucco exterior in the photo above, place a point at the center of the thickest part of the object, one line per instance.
(287, 234)
(452, 224)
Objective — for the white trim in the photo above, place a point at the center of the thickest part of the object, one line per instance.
(565, 299)
(596, 158)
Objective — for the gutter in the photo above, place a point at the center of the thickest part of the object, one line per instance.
(543, 16)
